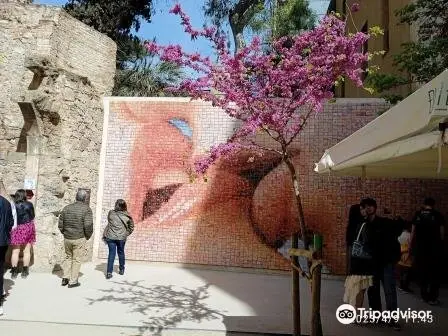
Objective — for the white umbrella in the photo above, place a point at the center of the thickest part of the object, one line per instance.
(409, 140)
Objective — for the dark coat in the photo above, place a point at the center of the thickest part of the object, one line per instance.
(76, 221)
(380, 237)
(6, 221)
(385, 246)
(25, 212)
(428, 243)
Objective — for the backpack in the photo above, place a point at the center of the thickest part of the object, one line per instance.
(427, 227)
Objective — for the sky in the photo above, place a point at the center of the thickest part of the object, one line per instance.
(166, 29)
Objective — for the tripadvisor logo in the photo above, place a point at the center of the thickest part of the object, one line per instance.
(346, 314)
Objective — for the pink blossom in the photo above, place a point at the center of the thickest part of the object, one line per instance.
(176, 9)
(277, 92)
(152, 47)
(355, 7)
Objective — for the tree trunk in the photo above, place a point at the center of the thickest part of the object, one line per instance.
(316, 324)
(316, 277)
(295, 244)
(295, 181)
(296, 288)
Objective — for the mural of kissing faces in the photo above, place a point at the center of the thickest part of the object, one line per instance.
(238, 215)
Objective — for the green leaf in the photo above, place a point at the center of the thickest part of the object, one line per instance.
(376, 31)
(370, 90)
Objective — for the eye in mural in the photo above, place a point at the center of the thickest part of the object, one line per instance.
(182, 126)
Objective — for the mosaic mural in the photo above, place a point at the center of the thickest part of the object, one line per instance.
(242, 215)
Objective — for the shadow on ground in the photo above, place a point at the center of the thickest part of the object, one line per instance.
(7, 284)
(57, 270)
(163, 306)
(102, 268)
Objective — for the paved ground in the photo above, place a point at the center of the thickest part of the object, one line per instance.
(166, 300)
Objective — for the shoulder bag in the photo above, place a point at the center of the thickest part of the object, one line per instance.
(359, 249)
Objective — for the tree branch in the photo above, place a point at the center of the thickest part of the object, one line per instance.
(305, 119)
(266, 148)
(239, 17)
(276, 138)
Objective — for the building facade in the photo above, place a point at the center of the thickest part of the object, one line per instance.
(380, 13)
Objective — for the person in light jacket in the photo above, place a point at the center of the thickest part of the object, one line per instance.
(120, 225)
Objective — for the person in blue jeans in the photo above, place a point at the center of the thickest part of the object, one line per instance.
(119, 226)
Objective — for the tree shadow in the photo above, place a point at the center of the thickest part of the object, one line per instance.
(163, 306)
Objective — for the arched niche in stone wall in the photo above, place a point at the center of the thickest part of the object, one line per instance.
(30, 126)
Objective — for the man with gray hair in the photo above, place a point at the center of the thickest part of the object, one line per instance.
(76, 225)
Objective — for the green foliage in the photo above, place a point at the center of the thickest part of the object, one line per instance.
(383, 82)
(425, 58)
(428, 57)
(268, 18)
(376, 31)
(143, 78)
(392, 98)
(292, 17)
(137, 73)
(115, 18)
(238, 13)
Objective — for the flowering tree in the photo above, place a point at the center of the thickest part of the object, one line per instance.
(275, 93)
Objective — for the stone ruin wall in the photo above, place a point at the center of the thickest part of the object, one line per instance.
(54, 72)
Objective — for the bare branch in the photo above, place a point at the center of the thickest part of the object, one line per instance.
(301, 126)
(266, 148)
(276, 138)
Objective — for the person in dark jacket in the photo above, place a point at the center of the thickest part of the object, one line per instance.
(76, 225)
(427, 235)
(6, 224)
(120, 225)
(386, 253)
(24, 235)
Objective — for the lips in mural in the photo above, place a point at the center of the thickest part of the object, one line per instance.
(158, 201)
(217, 215)
(172, 201)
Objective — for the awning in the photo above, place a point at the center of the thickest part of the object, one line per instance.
(408, 140)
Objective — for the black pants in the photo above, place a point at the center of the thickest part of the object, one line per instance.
(3, 250)
(429, 274)
(386, 276)
(405, 276)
